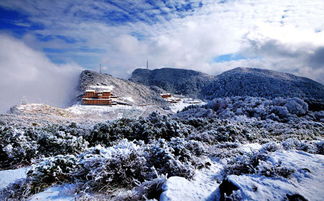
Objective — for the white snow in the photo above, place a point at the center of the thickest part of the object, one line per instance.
(185, 102)
(101, 88)
(308, 180)
(9, 176)
(100, 110)
(130, 99)
(202, 187)
(250, 147)
(65, 192)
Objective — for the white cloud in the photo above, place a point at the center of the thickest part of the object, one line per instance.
(27, 75)
(279, 35)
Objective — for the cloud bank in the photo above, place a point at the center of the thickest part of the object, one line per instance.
(205, 35)
(28, 76)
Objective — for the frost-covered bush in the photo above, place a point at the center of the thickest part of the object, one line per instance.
(53, 170)
(161, 156)
(296, 106)
(16, 147)
(245, 164)
(198, 123)
(57, 169)
(20, 146)
(270, 147)
(320, 147)
(60, 142)
(292, 143)
(121, 170)
(270, 169)
(146, 129)
(278, 109)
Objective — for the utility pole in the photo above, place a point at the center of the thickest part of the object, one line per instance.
(100, 69)
(147, 64)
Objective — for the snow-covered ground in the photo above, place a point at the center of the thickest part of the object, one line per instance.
(9, 176)
(185, 102)
(100, 110)
(65, 192)
(202, 187)
(307, 181)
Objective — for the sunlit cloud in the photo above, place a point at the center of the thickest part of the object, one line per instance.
(281, 35)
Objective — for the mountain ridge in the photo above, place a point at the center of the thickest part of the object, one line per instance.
(235, 82)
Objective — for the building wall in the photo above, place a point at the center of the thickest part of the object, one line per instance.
(97, 98)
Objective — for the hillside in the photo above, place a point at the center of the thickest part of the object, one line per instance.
(178, 81)
(131, 92)
(236, 82)
(264, 83)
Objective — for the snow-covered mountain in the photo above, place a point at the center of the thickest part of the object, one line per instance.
(178, 81)
(265, 83)
(128, 91)
(236, 82)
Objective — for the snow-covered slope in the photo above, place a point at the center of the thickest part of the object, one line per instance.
(128, 91)
(265, 83)
(236, 82)
(178, 81)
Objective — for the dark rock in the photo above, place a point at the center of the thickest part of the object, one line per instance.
(226, 188)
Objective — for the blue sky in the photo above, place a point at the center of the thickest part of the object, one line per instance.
(206, 35)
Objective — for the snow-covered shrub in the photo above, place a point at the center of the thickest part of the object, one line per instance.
(53, 170)
(207, 136)
(296, 106)
(310, 147)
(198, 122)
(20, 146)
(121, 170)
(16, 147)
(60, 142)
(188, 151)
(245, 164)
(270, 147)
(270, 169)
(161, 157)
(320, 147)
(57, 169)
(278, 109)
(259, 163)
(153, 127)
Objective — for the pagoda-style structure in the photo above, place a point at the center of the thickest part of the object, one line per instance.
(98, 97)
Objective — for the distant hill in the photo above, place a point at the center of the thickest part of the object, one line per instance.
(264, 83)
(236, 82)
(133, 93)
(178, 81)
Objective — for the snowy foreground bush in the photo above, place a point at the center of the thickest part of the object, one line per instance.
(278, 109)
(132, 159)
(124, 165)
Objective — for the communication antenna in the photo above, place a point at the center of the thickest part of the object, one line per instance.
(100, 69)
(147, 64)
